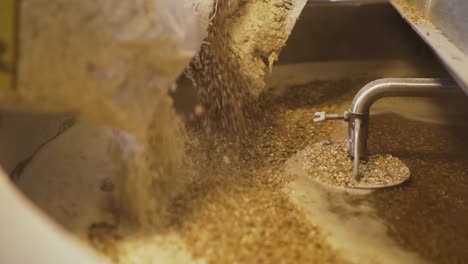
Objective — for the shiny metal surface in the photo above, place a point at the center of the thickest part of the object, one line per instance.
(389, 87)
(359, 113)
(358, 123)
(443, 24)
(400, 87)
(357, 160)
(450, 16)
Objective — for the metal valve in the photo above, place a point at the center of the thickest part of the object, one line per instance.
(322, 116)
(358, 114)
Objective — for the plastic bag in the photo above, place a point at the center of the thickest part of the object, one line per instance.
(106, 60)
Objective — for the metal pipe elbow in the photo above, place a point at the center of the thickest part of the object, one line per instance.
(400, 87)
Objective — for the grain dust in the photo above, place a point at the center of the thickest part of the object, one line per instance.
(245, 37)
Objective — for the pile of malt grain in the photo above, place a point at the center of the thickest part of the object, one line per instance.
(329, 162)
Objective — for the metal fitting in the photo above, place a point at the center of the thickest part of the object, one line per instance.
(359, 113)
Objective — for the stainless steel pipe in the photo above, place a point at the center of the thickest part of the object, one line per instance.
(358, 115)
(390, 87)
(401, 87)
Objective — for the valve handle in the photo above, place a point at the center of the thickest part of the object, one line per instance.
(322, 116)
